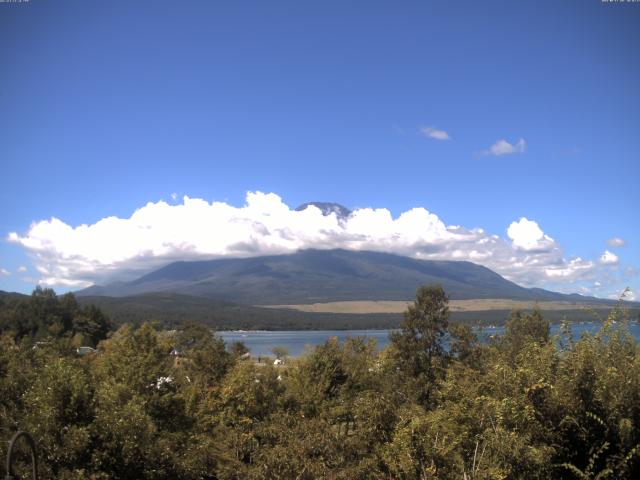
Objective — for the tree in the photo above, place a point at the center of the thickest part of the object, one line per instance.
(191, 335)
(45, 316)
(59, 413)
(280, 352)
(418, 347)
(207, 359)
(522, 329)
(91, 324)
(464, 344)
(238, 348)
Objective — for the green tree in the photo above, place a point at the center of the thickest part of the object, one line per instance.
(316, 382)
(59, 414)
(44, 316)
(464, 344)
(418, 346)
(280, 352)
(91, 324)
(526, 327)
(238, 348)
(206, 358)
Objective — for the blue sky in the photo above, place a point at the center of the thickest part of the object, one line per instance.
(107, 106)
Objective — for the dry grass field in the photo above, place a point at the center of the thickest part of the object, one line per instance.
(390, 306)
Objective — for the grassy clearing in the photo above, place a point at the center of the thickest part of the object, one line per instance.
(390, 306)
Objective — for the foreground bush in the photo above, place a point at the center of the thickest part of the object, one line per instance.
(523, 406)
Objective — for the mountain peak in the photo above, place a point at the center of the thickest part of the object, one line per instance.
(327, 208)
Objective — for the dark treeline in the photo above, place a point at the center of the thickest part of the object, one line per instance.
(525, 406)
(46, 316)
(172, 309)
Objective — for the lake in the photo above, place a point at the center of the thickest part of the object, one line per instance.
(260, 343)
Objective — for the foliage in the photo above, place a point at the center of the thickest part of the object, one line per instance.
(418, 347)
(280, 352)
(44, 315)
(436, 403)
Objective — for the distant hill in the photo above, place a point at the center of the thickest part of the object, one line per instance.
(6, 296)
(314, 276)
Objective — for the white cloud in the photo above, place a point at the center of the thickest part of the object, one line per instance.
(616, 242)
(527, 235)
(4, 272)
(174, 196)
(608, 258)
(435, 133)
(21, 269)
(573, 269)
(502, 147)
(158, 233)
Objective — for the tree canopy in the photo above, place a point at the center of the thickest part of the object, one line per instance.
(435, 403)
(45, 315)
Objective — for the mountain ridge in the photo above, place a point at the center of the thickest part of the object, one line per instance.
(314, 276)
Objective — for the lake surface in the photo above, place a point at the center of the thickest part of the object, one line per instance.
(260, 343)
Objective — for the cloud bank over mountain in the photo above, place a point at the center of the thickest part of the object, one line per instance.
(158, 233)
